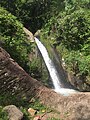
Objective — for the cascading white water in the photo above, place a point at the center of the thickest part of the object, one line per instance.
(52, 70)
(49, 64)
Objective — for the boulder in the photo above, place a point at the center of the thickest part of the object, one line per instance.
(13, 112)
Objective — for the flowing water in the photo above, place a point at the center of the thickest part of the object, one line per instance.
(52, 71)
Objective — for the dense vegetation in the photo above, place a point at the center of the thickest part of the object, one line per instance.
(69, 31)
(14, 39)
(30, 12)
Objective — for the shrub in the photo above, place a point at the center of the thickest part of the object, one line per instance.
(15, 41)
(74, 29)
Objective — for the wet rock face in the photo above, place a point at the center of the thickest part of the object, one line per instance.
(13, 112)
(81, 112)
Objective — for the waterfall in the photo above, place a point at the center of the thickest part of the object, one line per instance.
(52, 71)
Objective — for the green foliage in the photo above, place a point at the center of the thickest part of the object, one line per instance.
(69, 30)
(3, 115)
(72, 5)
(74, 32)
(74, 29)
(39, 71)
(35, 68)
(31, 13)
(34, 14)
(78, 62)
(15, 41)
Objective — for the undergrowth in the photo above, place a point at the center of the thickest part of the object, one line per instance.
(23, 105)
